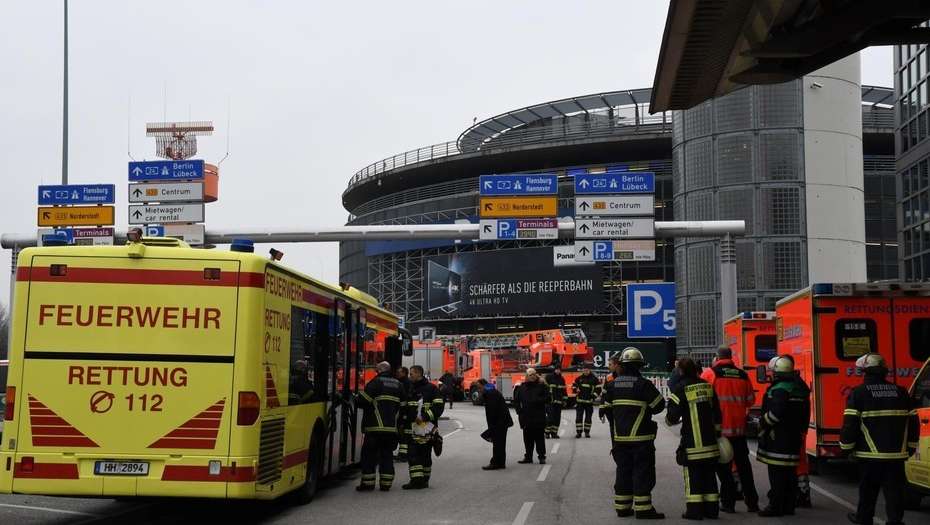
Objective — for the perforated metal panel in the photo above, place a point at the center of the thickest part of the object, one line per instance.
(701, 206)
(698, 121)
(779, 105)
(737, 204)
(734, 111)
(784, 265)
(678, 127)
(734, 159)
(681, 321)
(780, 156)
(781, 211)
(746, 265)
(746, 303)
(678, 185)
(681, 281)
(699, 167)
(702, 268)
(704, 324)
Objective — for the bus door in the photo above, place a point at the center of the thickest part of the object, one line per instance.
(359, 319)
(845, 329)
(336, 375)
(911, 318)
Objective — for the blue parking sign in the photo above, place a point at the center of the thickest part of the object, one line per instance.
(506, 229)
(650, 310)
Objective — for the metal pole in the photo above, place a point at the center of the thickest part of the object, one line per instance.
(727, 278)
(64, 120)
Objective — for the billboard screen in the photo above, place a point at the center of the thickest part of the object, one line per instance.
(504, 282)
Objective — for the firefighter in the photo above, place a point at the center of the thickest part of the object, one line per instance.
(404, 430)
(631, 401)
(381, 401)
(424, 406)
(694, 403)
(736, 396)
(556, 383)
(880, 430)
(586, 388)
(803, 470)
(603, 412)
(785, 416)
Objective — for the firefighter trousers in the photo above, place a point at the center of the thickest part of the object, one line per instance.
(378, 454)
(803, 470)
(636, 476)
(553, 418)
(420, 456)
(404, 445)
(887, 476)
(583, 414)
(783, 494)
(744, 470)
(701, 497)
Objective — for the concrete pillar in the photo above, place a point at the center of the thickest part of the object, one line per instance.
(833, 175)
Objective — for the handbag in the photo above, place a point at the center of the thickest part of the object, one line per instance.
(436, 442)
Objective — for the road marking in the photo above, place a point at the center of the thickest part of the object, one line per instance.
(524, 513)
(555, 448)
(841, 502)
(459, 428)
(833, 497)
(49, 509)
(544, 473)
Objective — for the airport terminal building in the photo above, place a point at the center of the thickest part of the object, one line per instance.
(476, 287)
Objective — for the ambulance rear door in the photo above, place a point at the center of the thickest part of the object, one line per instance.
(845, 328)
(911, 337)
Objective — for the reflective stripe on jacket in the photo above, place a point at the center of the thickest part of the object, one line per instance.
(556, 384)
(694, 403)
(879, 422)
(735, 395)
(586, 388)
(631, 401)
(381, 401)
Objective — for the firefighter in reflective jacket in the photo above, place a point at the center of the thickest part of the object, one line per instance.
(736, 396)
(631, 402)
(423, 408)
(603, 411)
(785, 416)
(404, 431)
(381, 401)
(694, 403)
(586, 388)
(880, 430)
(556, 384)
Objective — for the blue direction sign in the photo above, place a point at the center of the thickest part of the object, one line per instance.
(521, 184)
(166, 170)
(154, 230)
(77, 194)
(615, 182)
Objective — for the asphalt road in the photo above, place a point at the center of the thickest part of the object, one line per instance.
(576, 486)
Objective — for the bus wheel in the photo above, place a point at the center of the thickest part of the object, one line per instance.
(305, 493)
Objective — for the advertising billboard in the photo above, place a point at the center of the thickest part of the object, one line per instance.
(501, 282)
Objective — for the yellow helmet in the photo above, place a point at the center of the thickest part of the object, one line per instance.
(632, 356)
(872, 363)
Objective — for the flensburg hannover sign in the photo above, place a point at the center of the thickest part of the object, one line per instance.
(519, 184)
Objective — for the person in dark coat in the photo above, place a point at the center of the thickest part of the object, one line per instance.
(499, 422)
(530, 401)
(447, 387)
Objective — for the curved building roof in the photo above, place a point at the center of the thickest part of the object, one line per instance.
(592, 127)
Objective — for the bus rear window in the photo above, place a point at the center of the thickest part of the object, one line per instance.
(855, 338)
(766, 348)
(919, 335)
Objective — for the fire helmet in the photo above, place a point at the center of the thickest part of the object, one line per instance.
(632, 356)
(872, 363)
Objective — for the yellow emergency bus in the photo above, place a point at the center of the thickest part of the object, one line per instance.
(155, 369)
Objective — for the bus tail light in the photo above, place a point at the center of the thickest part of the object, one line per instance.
(249, 407)
(27, 464)
(10, 400)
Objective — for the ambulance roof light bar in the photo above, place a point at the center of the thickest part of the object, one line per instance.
(765, 316)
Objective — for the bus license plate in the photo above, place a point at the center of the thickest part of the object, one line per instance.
(121, 468)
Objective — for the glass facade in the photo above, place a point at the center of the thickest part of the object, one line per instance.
(912, 63)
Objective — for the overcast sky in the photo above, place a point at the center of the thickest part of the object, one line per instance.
(317, 90)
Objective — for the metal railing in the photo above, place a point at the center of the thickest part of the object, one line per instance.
(563, 129)
(877, 118)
